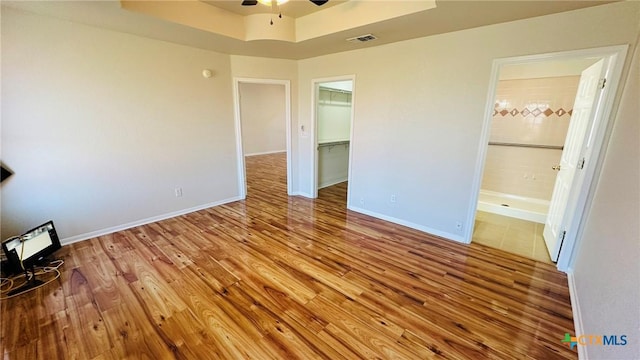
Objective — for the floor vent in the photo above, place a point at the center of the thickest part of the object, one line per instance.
(362, 38)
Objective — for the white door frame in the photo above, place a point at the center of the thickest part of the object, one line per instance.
(242, 181)
(315, 86)
(614, 57)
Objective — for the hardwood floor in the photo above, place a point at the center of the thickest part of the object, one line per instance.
(277, 277)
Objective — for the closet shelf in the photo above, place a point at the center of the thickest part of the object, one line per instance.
(335, 90)
(332, 143)
(334, 103)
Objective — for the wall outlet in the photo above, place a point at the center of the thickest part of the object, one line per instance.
(393, 198)
(178, 192)
(459, 226)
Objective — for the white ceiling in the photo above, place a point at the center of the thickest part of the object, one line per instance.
(448, 16)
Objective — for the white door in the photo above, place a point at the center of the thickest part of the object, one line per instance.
(560, 211)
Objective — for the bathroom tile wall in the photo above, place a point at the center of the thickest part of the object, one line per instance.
(528, 111)
(521, 171)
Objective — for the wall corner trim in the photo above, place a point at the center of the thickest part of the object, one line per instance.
(577, 317)
(110, 230)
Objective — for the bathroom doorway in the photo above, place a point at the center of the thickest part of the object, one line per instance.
(532, 109)
(531, 116)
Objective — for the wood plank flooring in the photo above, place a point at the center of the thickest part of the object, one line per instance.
(277, 277)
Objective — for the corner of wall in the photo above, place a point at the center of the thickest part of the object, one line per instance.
(577, 313)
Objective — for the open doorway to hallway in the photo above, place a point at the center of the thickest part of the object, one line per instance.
(263, 122)
(262, 116)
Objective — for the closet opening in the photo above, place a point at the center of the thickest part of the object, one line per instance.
(333, 101)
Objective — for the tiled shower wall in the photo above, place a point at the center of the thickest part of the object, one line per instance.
(528, 111)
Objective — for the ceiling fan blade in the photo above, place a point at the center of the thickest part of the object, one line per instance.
(319, 2)
(249, 2)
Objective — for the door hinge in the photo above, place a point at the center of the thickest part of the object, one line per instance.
(602, 83)
(581, 164)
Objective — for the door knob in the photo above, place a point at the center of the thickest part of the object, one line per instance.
(557, 167)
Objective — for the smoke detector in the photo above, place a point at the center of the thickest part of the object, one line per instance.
(362, 38)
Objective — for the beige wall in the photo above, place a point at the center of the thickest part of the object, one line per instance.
(100, 127)
(262, 110)
(607, 268)
(519, 118)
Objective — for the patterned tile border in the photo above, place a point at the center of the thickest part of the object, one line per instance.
(536, 112)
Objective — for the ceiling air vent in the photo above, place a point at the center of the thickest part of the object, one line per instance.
(362, 38)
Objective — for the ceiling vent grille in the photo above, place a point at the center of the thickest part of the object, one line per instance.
(362, 38)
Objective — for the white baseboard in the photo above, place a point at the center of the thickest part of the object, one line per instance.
(305, 194)
(331, 183)
(577, 317)
(428, 230)
(266, 153)
(110, 230)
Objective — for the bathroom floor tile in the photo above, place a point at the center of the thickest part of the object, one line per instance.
(510, 234)
(522, 252)
(540, 251)
(528, 226)
(489, 241)
(497, 219)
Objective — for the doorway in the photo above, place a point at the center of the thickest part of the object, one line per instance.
(531, 118)
(593, 139)
(333, 119)
(262, 124)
